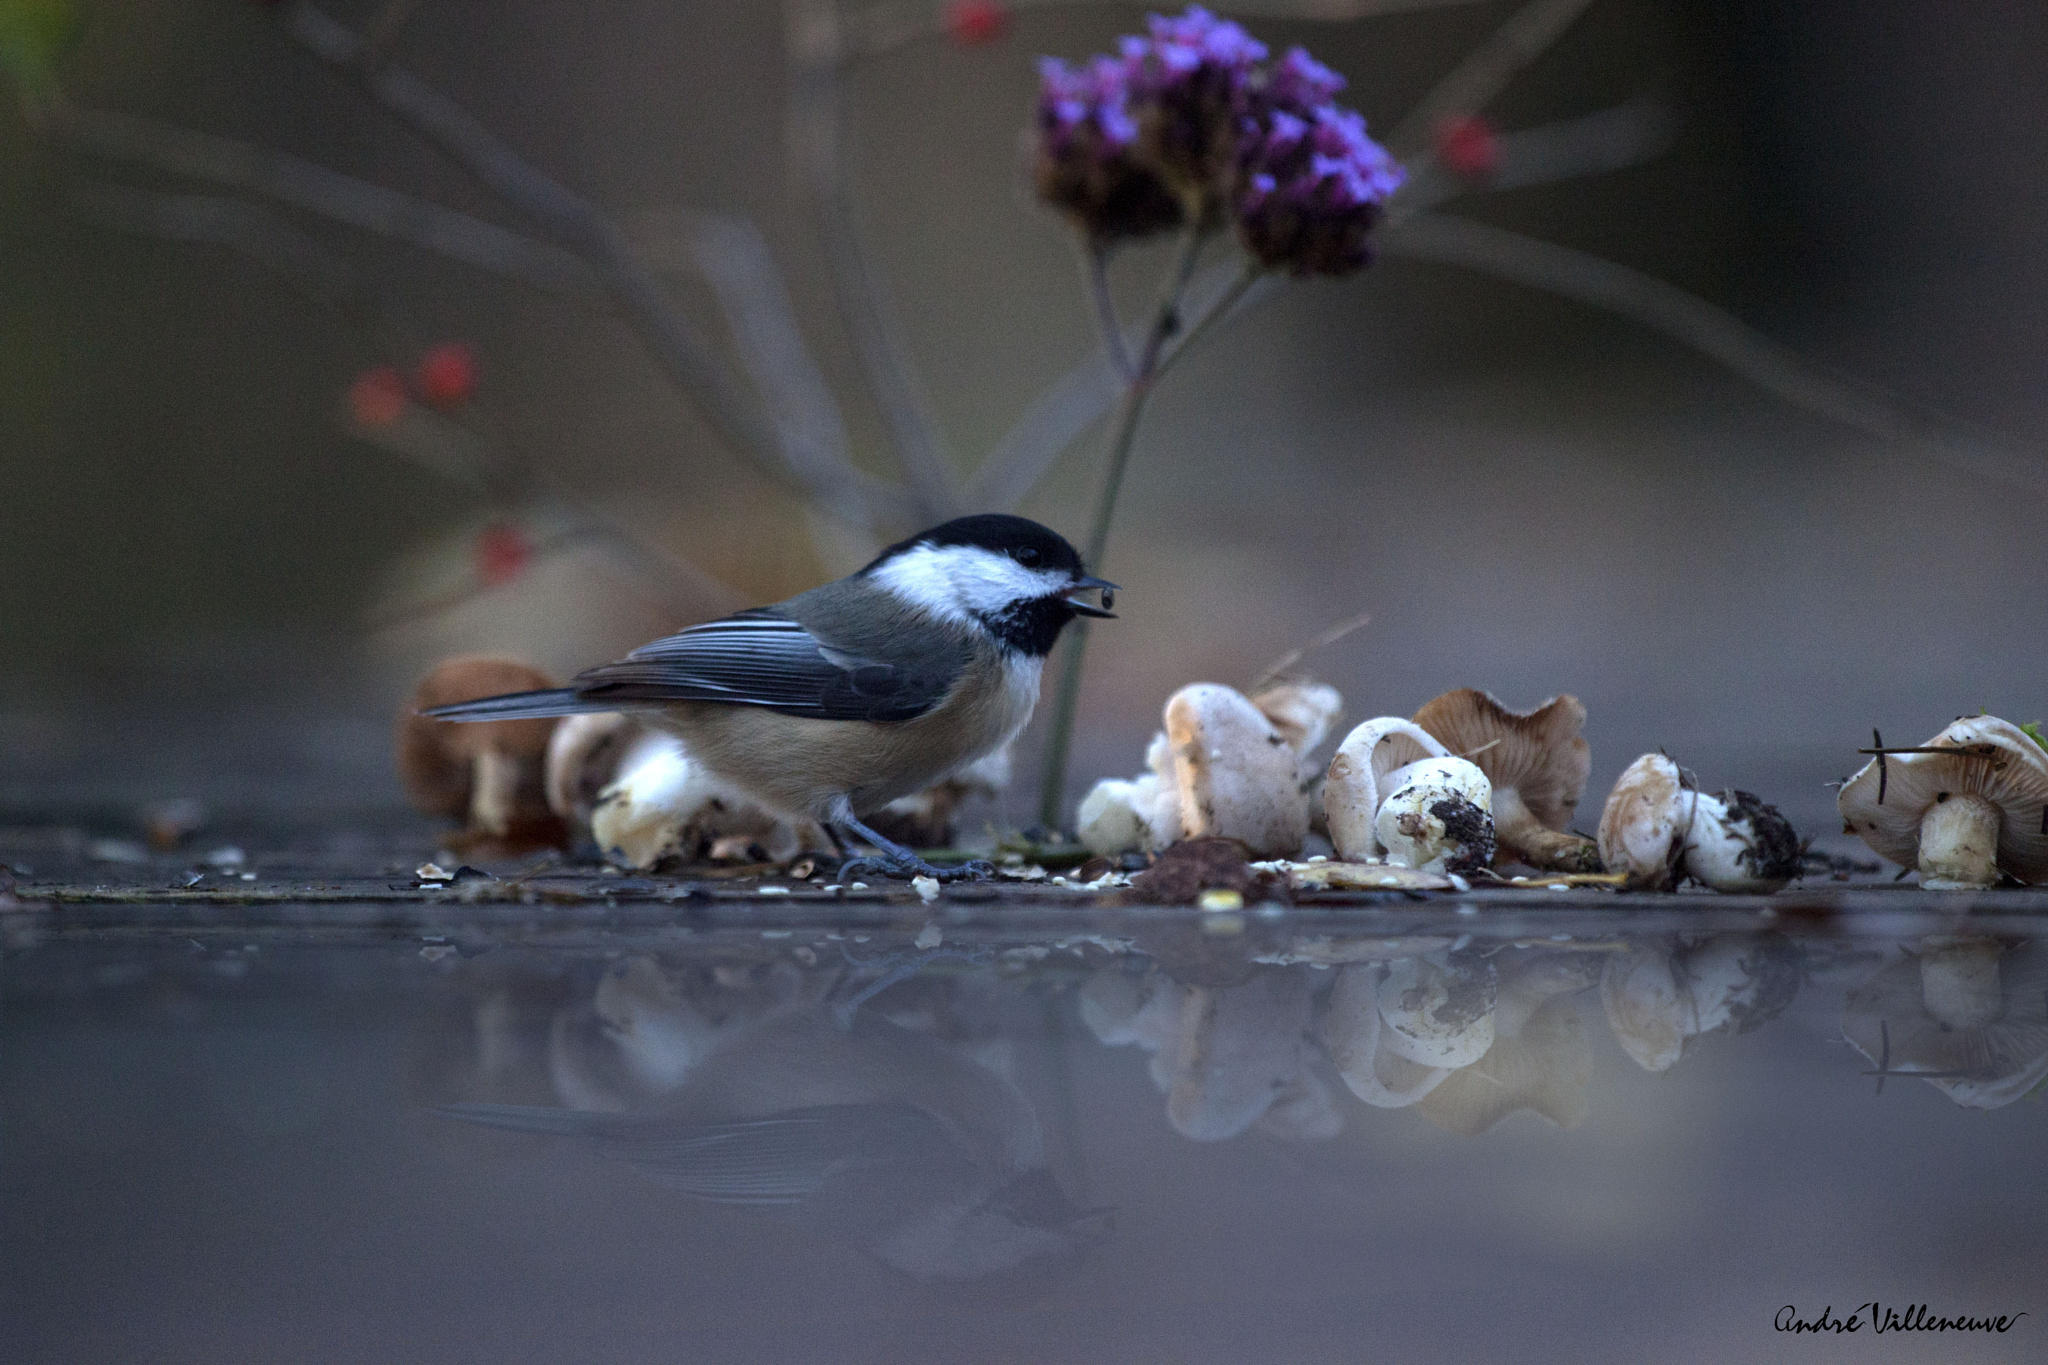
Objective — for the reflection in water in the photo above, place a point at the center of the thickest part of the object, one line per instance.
(1968, 1015)
(878, 1103)
(870, 1132)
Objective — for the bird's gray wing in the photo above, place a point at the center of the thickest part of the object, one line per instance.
(764, 658)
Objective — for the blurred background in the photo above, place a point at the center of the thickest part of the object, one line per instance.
(218, 579)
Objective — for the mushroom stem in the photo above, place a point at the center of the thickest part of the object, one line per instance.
(493, 791)
(1959, 843)
(1522, 834)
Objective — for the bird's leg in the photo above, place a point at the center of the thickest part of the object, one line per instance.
(898, 861)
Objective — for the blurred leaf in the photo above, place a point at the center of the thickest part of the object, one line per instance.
(33, 35)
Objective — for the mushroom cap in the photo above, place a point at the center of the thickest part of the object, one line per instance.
(1108, 822)
(1980, 1067)
(1737, 843)
(1236, 773)
(584, 755)
(436, 758)
(1539, 753)
(1995, 760)
(1439, 814)
(1301, 710)
(1644, 823)
(1357, 781)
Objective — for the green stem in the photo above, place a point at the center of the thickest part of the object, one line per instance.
(1122, 440)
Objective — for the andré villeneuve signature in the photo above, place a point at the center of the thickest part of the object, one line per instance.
(1880, 1319)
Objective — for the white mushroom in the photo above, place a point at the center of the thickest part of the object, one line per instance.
(1438, 817)
(1538, 764)
(1657, 829)
(1108, 822)
(1302, 711)
(662, 804)
(1235, 772)
(1968, 1015)
(1358, 780)
(1970, 804)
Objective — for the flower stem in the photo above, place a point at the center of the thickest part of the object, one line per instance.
(1123, 439)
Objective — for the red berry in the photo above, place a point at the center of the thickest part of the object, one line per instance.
(1468, 146)
(377, 397)
(971, 23)
(446, 377)
(502, 553)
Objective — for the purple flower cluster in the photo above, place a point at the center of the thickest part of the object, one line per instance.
(1191, 123)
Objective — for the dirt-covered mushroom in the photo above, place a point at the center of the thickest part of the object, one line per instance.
(1357, 780)
(1236, 774)
(1438, 817)
(489, 775)
(1966, 806)
(1657, 829)
(1537, 762)
(1968, 1015)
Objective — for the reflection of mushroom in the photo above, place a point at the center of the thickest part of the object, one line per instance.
(1237, 1049)
(1537, 763)
(1658, 1000)
(1357, 781)
(1540, 1060)
(487, 775)
(1974, 807)
(1656, 828)
(1351, 1028)
(1438, 817)
(1968, 1016)
(1438, 1010)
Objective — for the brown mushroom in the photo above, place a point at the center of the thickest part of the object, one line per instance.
(1538, 764)
(488, 775)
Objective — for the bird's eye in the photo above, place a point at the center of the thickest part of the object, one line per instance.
(1025, 555)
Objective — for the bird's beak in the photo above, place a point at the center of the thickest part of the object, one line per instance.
(1080, 585)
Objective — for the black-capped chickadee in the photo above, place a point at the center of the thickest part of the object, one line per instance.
(840, 700)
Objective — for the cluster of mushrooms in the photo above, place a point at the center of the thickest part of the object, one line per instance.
(1467, 785)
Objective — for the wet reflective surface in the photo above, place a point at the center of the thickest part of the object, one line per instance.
(978, 1132)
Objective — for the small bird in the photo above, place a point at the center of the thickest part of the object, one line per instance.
(835, 702)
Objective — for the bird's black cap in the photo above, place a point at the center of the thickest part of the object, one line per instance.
(1020, 538)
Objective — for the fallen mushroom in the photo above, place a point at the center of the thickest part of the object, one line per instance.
(1301, 710)
(584, 756)
(662, 804)
(1967, 1015)
(489, 775)
(1657, 829)
(1237, 775)
(1359, 776)
(1438, 817)
(1963, 808)
(1537, 762)
(925, 819)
